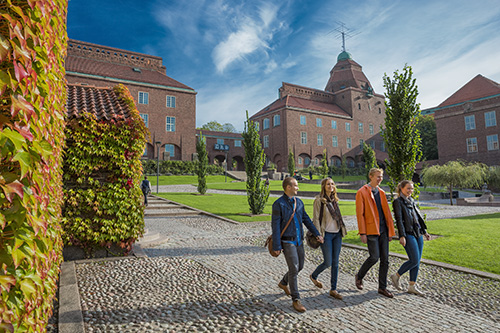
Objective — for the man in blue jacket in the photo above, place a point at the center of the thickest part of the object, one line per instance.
(290, 208)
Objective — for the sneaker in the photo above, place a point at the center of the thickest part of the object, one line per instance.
(395, 281)
(412, 289)
(285, 289)
(316, 282)
(298, 306)
(335, 294)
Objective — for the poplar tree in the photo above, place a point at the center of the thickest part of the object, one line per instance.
(201, 150)
(291, 163)
(257, 191)
(370, 159)
(324, 165)
(400, 132)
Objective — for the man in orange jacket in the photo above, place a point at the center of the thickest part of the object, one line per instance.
(376, 228)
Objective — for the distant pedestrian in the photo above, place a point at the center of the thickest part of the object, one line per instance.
(267, 181)
(146, 189)
(328, 220)
(288, 214)
(411, 230)
(376, 228)
(310, 174)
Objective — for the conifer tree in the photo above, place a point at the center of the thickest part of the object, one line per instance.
(291, 163)
(201, 150)
(370, 160)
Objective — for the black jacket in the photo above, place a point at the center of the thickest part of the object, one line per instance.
(403, 214)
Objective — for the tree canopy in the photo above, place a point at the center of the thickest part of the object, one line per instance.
(217, 127)
(427, 128)
(369, 158)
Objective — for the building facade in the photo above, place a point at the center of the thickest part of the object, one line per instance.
(467, 123)
(336, 120)
(224, 147)
(167, 106)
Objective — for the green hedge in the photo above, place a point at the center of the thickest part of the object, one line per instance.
(32, 106)
(103, 204)
(178, 168)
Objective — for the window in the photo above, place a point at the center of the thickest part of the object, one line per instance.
(334, 124)
(319, 122)
(145, 119)
(320, 139)
(360, 127)
(170, 124)
(316, 161)
(347, 127)
(379, 110)
(220, 141)
(257, 126)
(372, 144)
(370, 128)
(302, 120)
(143, 97)
(349, 143)
(472, 145)
(361, 141)
(359, 106)
(299, 160)
(145, 151)
(492, 141)
(335, 141)
(170, 101)
(170, 149)
(266, 141)
(350, 163)
(490, 119)
(276, 120)
(470, 123)
(265, 124)
(303, 138)
(237, 143)
(307, 161)
(382, 146)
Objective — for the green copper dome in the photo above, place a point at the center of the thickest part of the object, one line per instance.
(344, 56)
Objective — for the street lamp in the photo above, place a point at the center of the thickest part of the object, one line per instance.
(158, 144)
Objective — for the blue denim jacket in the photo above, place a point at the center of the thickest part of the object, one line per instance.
(282, 211)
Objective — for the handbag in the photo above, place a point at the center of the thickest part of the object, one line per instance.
(269, 240)
(312, 240)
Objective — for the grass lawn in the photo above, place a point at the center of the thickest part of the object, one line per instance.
(468, 241)
(183, 180)
(230, 206)
(275, 185)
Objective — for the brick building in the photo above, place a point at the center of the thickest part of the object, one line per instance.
(222, 146)
(167, 106)
(339, 119)
(466, 123)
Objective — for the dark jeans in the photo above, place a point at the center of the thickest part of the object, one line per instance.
(294, 256)
(414, 247)
(331, 251)
(145, 198)
(378, 247)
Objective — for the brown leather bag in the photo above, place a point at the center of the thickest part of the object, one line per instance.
(269, 240)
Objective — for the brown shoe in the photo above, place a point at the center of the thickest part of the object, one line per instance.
(285, 288)
(335, 294)
(385, 292)
(316, 282)
(359, 282)
(298, 306)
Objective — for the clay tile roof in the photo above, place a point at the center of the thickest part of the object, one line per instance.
(103, 102)
(478, 87)
(119, 71)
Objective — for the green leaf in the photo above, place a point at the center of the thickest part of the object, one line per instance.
(24, 159)
(28, 287)
(16, 138)
(6, 281)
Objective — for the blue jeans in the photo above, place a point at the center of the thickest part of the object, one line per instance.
(294, 256)
(414, 247)
(331, 251)
(378, 247)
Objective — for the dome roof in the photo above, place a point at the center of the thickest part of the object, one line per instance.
(344, 56)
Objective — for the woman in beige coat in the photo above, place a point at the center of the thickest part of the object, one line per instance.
(328, 220)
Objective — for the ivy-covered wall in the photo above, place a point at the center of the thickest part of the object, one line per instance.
(32, 105)
(103, 204)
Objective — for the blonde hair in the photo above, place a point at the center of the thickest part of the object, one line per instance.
(323, 190)
(402, 184)
(374, 171)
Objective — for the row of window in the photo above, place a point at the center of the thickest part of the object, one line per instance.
(333, 161)
(170, 122)
(490, 120)
(144, 99)
(237, 143)
(491, 143)
(168, 148)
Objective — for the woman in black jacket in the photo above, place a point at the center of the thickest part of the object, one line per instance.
(411, 230)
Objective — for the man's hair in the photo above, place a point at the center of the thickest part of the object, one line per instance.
(287, 182)
(374, 171)
(145, 177)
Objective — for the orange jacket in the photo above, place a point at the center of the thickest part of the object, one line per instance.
(367, 212)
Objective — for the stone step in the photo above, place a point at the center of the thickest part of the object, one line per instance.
(163, 205)
(185, 212)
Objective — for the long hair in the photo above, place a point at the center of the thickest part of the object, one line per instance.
(402, 184)
(323, 193)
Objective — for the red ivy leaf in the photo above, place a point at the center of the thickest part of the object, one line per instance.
(6, 281)
(18, 104)
(13, 188)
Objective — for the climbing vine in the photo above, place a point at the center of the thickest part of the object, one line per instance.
(32, 103)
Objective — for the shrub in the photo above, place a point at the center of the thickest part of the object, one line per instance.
(32, 100)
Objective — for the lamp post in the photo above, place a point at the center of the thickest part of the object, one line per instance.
(158, 143)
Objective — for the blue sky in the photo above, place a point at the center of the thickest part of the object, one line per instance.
(236, 54)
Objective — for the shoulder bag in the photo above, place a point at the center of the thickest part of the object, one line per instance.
(269, 240)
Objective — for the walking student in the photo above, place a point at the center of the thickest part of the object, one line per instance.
(146, 189)
(411, 230)
(328, 220)
(376, 228)
(288, 214)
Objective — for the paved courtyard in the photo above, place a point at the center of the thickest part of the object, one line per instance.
(215, 276)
